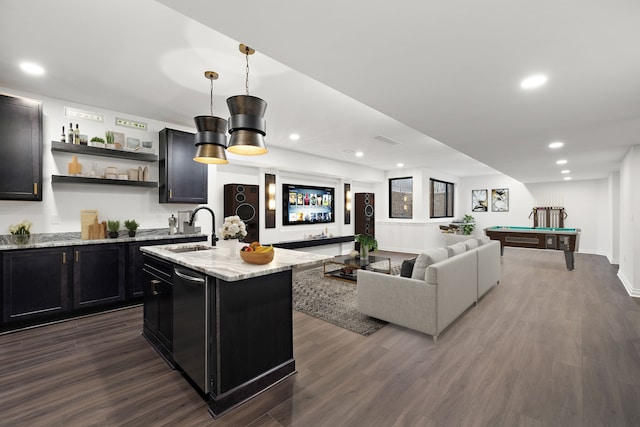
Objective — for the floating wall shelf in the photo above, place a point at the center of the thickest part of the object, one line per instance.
(104, 152)
(85, 180)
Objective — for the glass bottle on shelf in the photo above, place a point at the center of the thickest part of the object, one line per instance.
(76, 135)
(63, 136)
(70, 134)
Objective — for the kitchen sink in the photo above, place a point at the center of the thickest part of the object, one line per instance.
(191, 249)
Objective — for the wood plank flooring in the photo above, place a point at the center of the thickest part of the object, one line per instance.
(547, 347)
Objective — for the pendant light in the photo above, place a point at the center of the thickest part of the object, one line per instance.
(211, 136)
(246, 123)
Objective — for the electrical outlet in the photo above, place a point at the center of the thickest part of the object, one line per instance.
(55, 219)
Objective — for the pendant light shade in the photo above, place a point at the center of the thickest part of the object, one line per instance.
(211, 138)
(247, 126)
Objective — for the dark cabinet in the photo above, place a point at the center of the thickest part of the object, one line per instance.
(158, 305)
(35, 283)
(182, 180)
(98, 274)
(20, 149)
(135, 279)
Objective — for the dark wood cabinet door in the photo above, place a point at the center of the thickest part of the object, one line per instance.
(158, 305)
(98, 274)
(20, 149)
(182, 180)
(35, 283)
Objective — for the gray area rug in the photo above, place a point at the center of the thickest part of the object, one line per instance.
(333, 301)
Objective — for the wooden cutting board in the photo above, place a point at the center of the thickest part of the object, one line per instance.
(97, 230)
(87, 218)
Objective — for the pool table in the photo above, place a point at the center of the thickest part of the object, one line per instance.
(561, 239)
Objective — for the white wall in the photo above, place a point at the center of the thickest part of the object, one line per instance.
(628, 273)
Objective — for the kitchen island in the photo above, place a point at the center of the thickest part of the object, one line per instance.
(226, 324)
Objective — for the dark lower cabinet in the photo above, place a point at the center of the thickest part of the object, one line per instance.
(98, 274)
(35, 283)
(158, 306)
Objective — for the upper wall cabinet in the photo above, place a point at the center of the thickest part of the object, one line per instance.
(182, 180)
(20, 149)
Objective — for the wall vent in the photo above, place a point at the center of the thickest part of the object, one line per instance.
(387, 140)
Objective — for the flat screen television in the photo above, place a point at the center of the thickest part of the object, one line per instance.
(307, 204)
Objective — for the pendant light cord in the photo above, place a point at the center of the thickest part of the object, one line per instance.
(211, 94)
(246, 82)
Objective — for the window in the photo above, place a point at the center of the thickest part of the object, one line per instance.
(441, 198)
(401, 197)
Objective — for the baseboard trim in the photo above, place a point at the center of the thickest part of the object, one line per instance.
(635, 293)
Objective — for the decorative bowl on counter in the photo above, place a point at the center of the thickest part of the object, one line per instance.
(257, 257)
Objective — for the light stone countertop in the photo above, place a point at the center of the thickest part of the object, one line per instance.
(52, 240)
(223, 260)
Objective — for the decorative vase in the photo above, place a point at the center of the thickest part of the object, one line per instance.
(132, 233)
(364, 252)
(114, 234)
(20, 239)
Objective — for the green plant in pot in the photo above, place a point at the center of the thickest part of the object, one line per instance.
(469, 224)
(367, 243)
(113, 227)
(132, 226)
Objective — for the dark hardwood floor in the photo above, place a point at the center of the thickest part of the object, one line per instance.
(547, 347)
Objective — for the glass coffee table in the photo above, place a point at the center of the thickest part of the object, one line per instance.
(348, 267)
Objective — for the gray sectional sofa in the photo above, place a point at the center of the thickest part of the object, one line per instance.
(444, 282)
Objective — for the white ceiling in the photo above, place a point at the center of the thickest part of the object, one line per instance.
(439, 77)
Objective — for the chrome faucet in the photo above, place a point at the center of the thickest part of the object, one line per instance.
(214, 239)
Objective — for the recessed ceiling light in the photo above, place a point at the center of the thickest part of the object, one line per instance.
(400, 165)
(556, 144)
(561, 162)
(359, 154)
(294, 137)
(32, 68)
(565, 171)
(567, 178)
(533, 82)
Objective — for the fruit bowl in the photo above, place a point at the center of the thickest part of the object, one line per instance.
(257, 257)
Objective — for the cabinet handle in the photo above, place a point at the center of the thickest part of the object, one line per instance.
(64, 257)
(154, 287)
(170, 193)
(35, 188)
(77, 256)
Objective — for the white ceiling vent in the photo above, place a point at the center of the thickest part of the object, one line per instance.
(387, 140)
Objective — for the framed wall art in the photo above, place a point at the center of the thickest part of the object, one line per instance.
(500, 200)
(479, 201)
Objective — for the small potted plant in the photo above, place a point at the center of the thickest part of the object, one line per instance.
(110, 140)
(96, 141)
(469, 224)
(367, 243)
(132, 226)
(113, 227)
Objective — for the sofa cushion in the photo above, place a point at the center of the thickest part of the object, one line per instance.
(407, 267)
(425, 259)
(471, 244)
(457, 249)
(482, 240)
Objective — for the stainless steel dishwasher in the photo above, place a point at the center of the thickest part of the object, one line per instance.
(190, 325)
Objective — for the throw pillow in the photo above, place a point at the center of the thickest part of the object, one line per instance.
(457, 249)
(407, 267)
(425, 259)
(471, 244)
(482, 240)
